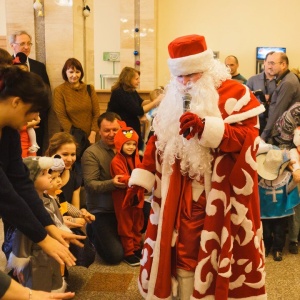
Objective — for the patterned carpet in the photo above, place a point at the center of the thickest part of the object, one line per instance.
(102, 282)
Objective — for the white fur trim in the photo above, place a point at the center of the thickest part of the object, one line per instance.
(18, 263)
(213, 132)
(191, 64)
(142, 178)
(245, 115)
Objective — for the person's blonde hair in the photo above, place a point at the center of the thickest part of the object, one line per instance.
(124, 80)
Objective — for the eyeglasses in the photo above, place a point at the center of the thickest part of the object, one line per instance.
(272, 63)
(24, 44)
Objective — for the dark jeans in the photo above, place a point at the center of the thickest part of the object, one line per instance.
(103, 232)
(274, 231)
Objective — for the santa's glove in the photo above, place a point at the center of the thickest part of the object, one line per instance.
(190, 125)
(130, 196)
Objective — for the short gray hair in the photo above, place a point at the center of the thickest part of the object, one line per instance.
(12, 37)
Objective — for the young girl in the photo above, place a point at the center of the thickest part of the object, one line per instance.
(64, 144)
(129, 215)
(126, 102)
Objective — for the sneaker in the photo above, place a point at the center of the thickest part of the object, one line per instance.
(138, 253)
(293, 247)
(132, 260)
(277, 256)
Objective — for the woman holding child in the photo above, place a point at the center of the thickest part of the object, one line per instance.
(126, 102)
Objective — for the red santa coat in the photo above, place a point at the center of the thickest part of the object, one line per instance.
(230, 255)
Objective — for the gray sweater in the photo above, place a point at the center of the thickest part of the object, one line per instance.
(97, 179)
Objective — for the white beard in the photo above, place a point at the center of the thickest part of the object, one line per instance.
(195, 160)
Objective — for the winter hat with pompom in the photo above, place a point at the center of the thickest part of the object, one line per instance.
(36, 164)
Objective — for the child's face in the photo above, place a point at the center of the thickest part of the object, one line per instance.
(68, 153)
(43, 181)
(56, 180)
(129, 147)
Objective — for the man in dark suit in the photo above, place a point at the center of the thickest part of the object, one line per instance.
(20, 41)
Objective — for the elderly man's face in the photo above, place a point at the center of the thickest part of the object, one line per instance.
(190, 78)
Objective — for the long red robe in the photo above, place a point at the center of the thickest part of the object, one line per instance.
(230, 254)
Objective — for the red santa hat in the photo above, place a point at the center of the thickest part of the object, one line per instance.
(189, 54)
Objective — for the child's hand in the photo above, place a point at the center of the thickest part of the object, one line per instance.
(34, 123)
(74, 222)
(158, 99)
(88, 217)
(143, 119)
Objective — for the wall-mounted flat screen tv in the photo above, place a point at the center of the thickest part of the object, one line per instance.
(261, 52)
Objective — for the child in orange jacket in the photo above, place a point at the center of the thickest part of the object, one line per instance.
(129, 215)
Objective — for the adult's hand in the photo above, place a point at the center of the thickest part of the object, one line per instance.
(73, 222)
(88, 217)
(117, 183)
(64, 237)
(58, 251)
(190, 125)
(92, 137)
(39, 295)
(18, 292)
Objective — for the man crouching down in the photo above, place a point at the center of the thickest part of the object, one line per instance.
(204, 235)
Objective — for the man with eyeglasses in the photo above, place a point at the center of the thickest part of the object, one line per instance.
(287, 91)
(20, 41)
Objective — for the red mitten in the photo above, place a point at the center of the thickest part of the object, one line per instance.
(129, 198)
(190, 124)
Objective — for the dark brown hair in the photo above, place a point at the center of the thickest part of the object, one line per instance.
(28, 86)
(72, 63)
(124, 80)
(109, 116)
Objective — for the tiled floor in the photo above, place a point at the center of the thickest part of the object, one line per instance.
(101, 282)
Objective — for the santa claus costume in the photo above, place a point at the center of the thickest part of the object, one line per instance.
(204, 236)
